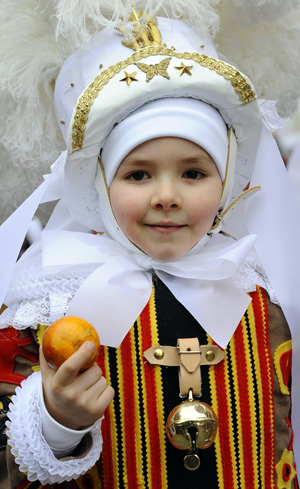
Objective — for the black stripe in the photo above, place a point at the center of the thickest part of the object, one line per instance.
(3, 439)
(142, 401)
(232, 403)
(258, 405)
(174, 322)
(115, 382)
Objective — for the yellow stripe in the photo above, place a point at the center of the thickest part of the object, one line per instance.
(231, 445)
(159, 394)
(270, 375)
(214, 405)
(122, 417)
(231, 424)
(260, 395)
(252, 405)
(138, 432)
(240, 456)
(1, 403)
(251, 398)
(113, 424)
(146, 419)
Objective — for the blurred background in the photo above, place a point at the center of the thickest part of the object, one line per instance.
(288, 140)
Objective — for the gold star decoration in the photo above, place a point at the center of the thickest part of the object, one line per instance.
(129, 77)
(184, 69)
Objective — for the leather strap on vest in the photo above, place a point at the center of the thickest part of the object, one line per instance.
(189, 369)
(189, 356)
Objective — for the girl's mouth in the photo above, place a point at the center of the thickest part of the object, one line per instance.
(166, 227)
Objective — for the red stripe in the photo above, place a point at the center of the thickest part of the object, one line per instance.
(243, 386)
(259, 304)
(151, 400)
(224, 425)
(129, 411)
(27, 484)
(24, 485)
(106, 455)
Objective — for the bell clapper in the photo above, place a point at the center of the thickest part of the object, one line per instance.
(192, 460)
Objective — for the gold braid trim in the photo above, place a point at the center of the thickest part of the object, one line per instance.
(239, 83)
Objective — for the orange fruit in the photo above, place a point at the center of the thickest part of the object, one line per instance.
(65, 336)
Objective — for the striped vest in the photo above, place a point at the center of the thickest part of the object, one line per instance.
(248, 391)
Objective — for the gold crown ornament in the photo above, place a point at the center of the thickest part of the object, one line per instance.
(143, 34)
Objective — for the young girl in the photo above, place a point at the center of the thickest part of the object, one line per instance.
(161, 146)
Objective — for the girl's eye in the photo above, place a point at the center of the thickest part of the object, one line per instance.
(137, 176)
(193, 174)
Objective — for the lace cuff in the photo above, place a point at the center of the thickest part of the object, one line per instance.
(30, 448)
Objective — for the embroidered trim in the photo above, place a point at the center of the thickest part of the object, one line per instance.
(104, 177)
(239, 84)
(283, 364)
(285, 470)
(223, 200)
(231, 206)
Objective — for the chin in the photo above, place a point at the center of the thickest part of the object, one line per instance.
(166, 256)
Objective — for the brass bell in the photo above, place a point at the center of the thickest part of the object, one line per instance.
(190, 426)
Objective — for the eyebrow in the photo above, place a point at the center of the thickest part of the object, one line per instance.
(137, 160)
(203, 158)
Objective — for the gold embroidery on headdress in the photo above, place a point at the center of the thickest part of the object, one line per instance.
(157, 69)
(237, 80)
(141, 36)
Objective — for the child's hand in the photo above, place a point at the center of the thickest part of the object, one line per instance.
(75, 400)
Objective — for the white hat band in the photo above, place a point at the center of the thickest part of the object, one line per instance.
(185, 118)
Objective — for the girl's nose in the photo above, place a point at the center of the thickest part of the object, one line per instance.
(166, 195)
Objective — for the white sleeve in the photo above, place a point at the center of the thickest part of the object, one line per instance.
(60, 439)
(33, 454)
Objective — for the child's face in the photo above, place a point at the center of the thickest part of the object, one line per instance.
(165, 196)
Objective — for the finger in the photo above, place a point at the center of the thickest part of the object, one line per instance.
(100, 403)
(45, 367)
(105, 399)
(88, 378)
(68, 371)
(96, 389)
